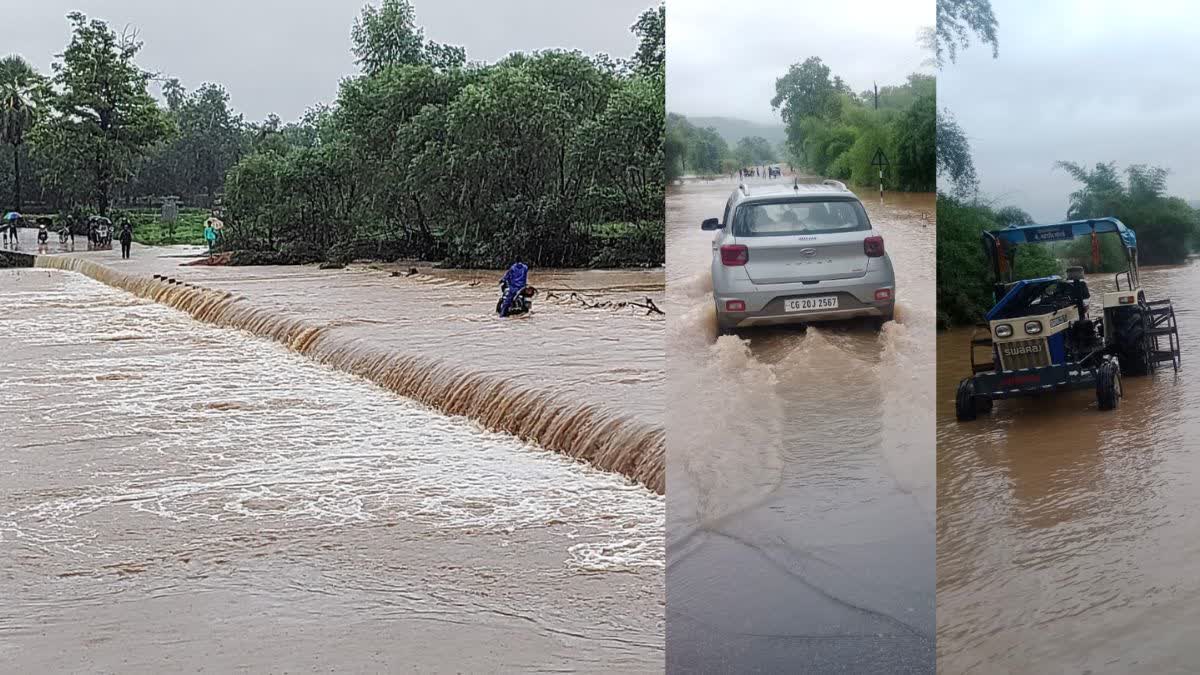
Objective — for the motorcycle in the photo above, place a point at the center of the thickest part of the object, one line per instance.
(520, 304)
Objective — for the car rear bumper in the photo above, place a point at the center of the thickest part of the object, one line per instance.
(748, 320)
(765, 303)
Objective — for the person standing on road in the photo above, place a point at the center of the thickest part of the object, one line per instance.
(9, 225)
(210, 234)
(126, 239)
(43, 237)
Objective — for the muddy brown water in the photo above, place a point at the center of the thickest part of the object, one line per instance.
(582, 374)
(1066, 535)
(174, 494)
(800, 482)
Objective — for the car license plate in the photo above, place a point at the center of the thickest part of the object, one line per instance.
(809, 304)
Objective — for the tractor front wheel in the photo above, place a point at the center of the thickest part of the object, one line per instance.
(1108, 385)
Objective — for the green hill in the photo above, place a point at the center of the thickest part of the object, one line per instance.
(733, 129)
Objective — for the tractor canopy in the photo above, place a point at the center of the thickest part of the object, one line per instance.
(1000, 246)
(1037, 234)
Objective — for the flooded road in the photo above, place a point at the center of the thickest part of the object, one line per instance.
(173, 493)
(576, 378)
(1066, 535)
(800, 468)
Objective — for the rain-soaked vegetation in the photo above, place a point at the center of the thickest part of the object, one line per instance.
(553, 157)
(831, 131)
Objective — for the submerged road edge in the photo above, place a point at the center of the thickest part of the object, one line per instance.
(586, 432)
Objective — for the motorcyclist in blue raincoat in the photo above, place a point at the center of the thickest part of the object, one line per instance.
(512, 283)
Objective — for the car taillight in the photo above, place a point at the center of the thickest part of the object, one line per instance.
(735, 305)
(873, 247)
(733, 255)
(883, 294)
(1126, 300)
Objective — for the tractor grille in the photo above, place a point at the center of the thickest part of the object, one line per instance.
(1020, 354)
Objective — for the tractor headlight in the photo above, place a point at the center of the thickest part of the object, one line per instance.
(1033, 327)
(1003, 330)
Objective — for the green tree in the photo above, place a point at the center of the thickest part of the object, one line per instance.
(916, 141)
(18, 85)
(102, 107)
(1166, 226)
(209, 138)
(388, 35)
(956, 20)
(954, 156)
(554, 157)
(754, 150)
(651, 30)
(674, 151)
(806, 90)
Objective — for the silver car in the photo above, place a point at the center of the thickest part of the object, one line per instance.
(800, 254)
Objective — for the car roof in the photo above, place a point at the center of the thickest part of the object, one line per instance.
(806, 191)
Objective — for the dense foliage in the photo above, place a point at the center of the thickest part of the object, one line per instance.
(964, 290)
(552, 157)
(1167, 227)
(702, 151)
(834, 132)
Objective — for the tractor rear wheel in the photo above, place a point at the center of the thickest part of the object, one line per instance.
(966, 404)
(1133, 347)
(1108, 385)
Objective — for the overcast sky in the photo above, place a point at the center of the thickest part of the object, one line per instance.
(723, 57)
(281, 56)
(1084, 81)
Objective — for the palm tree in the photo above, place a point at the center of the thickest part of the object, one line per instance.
(17, 82)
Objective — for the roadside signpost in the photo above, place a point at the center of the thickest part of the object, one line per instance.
(880, 160)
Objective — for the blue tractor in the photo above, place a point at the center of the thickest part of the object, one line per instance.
(1043, 335)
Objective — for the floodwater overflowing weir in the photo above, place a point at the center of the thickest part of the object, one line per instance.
(607, 440)
(173, 492)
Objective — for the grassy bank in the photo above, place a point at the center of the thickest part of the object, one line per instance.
(149, 230)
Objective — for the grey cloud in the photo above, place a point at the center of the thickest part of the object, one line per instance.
(723, 57)
(1083, 82)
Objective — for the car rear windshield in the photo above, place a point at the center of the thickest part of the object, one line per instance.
(767, 219)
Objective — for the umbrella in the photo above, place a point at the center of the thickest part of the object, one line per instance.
(12, 216)
(214, 223)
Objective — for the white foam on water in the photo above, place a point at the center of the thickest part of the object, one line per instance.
(208, 424)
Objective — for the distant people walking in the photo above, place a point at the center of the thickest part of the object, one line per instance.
(10, 223)
(67, 233)
(126, 237)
